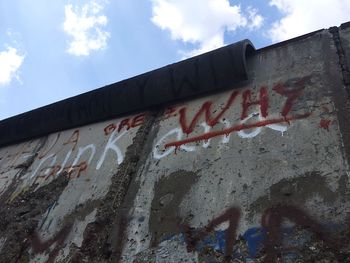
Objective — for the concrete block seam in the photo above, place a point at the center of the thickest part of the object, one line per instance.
(96, 246)
(343, 63)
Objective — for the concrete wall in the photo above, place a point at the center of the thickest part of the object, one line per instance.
(258, 173)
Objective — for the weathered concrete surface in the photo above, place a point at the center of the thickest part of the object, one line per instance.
(258, 173)
(287, 164)
(344, 46)
(87, 158)
(14, 161)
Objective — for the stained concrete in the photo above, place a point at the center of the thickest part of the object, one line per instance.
(243, 168)
(19, 220)
(344, 35)
(256, 173)
(169, 193)
(87, 157)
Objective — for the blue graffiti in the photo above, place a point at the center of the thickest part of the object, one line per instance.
(254, 238)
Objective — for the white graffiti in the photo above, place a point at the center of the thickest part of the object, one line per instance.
(179, 135)
(256, 131)
(64, 162)
(111, 145)
(42, 161)
(158, 153)
(48, 164)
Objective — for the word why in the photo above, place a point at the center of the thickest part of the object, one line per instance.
(290, 93)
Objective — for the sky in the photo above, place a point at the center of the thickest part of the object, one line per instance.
(52, 50)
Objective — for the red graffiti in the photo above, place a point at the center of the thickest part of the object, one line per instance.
(206, 109)
(73, 139)
(236, 128)
(53, 171)
(247, 102)
(127, 123)
(271, 222)
(170, 112)
(40, 246)
(123, 123)
(109, 128)
(74, 171)
(291, 94)
(232, 215)
(138, 120)
(325, 124)
(49, 148)
(71, 171)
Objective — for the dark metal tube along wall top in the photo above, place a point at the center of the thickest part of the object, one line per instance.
(217, 70)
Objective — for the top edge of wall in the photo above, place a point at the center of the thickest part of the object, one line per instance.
(345, 25)
(217, 70)
(289, 41)
(211, 72)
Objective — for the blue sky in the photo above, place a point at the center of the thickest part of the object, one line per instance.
(52, 50)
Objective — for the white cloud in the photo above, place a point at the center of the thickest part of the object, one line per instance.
(85, 26)
(10, 62)
(256, 20)
(304, 16)
(202, 22)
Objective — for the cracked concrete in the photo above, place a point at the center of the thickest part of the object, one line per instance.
(258, 173)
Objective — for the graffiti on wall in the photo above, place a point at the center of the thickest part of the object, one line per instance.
(72, 158)
(253, 117)
(115, 132)
(244, 113)
(39, 246)
(68, 156)
(270, 242)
